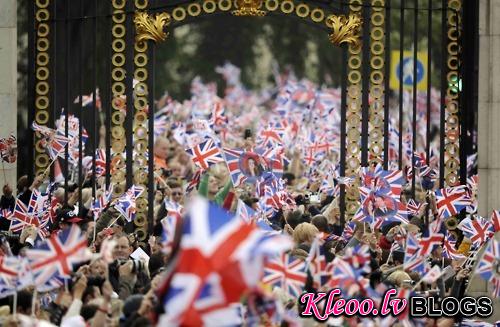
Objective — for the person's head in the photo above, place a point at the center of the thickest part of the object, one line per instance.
(398, 277)
(161, 147)
(22, 183)
(321, 223)
(251, 163)
(213, 185)
(176, 193)
(294, 218)
(304, 233)
(98, 268)
(7, 190)
(123, 249)
(176, 169)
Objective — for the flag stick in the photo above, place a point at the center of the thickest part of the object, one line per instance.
(14, 309)
(161, 179)
(48, 167)
(33, 303)
(114, 221)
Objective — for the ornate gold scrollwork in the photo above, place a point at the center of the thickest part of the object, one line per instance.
(249, 8)
(149, 28)
(344, 29)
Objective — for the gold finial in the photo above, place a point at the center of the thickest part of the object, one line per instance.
(344, 29)
(249, 8)
(149, 28)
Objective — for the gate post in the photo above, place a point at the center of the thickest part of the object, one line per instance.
(8, 81)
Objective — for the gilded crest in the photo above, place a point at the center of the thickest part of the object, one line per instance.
(249, 8)
(151, 28)
(344, 29)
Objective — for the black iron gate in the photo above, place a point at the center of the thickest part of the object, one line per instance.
(427, 48)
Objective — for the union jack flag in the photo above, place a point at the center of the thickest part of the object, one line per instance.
(246, 213)
(495, 220)
(98, 206)
(100, 162)
(317, 264)
(346, 278)
(427, 243)
(169, 224)
(206, 154)
(173, 208)
(55, 257)
(22, 217)
(233, 165)
(413, 207)
(358, 257)
(219, 258)
(413, 260)
(487, 267)
(126, 204)
(218, 118)
(478, 230)
(286, 272)
(270, 138)
(449, 250)
(5, 213)
(450, 201)
(14, 275)
(56, 145)
(193, 183)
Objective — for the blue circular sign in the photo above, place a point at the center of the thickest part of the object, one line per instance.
(408, 71)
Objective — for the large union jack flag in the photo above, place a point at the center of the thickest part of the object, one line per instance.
(286, 272)
(220, 257)
(489, 266)
(450, 201)
(205, 154)
(478, 230)
(55, 257)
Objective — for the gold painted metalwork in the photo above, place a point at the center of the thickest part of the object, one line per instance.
(147, 28)
(376, 91)
(151, 28)
(344, 29)
(452, 126)
(42, 100)
(118, 103)
(249, 8)
(353, 111)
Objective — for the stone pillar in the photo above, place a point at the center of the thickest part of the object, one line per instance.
(489, 107)
(8, 80)
(488, 124)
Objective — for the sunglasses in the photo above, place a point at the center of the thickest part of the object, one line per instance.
(176, 193)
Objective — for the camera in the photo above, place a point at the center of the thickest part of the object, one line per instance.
(137, 265)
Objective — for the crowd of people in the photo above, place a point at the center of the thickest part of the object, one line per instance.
(274, 167)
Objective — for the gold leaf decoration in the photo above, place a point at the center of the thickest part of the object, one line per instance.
(149, 28)
(344, 29)
(249, 8)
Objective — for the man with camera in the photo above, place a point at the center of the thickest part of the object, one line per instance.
(127, 276)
